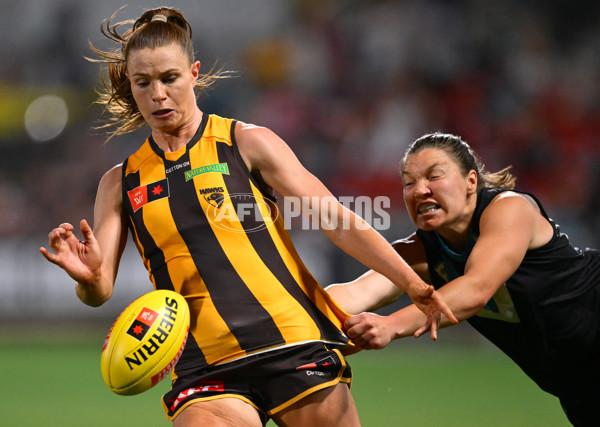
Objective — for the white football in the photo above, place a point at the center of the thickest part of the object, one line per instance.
(145, 342)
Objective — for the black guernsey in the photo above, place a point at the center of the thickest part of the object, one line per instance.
(545, 317)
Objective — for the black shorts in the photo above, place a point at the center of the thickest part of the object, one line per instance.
(269, 381)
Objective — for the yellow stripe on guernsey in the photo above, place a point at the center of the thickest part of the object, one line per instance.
(182, 270)
(247, 289)
(291, 318)
(201, 300)
(301, 274)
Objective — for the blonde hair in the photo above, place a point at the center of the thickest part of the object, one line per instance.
(465, 158)
(155, 28)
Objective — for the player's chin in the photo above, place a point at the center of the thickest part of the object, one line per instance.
(428, 222)
(426, 226)
(163, 124)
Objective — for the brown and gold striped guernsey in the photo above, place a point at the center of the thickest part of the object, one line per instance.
(207, 230)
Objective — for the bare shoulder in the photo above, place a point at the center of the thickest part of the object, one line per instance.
(512, 203)
(520, 212)
(253, 135)
(110, 184)
(514, 197)
(114, 174)
(261, 148)
(244, 129)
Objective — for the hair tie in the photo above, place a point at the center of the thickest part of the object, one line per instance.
(159, 17)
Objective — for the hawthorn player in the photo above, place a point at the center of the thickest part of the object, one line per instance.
(255, 309)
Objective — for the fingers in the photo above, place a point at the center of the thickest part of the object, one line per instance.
(444, 309)
(352, 321)
(63, 231)
(56, 239)
(66, 226)
(86, 230)
(48, 255)
(434, 327)
(432, 324)
(66, 230)
(368, 331)
(425, 328)
(355, 329)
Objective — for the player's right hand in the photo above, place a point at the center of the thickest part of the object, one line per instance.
(81, 259)
(369, 331)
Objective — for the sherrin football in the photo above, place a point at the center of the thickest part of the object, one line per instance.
(145, 342)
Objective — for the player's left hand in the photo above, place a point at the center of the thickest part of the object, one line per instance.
(429, 301)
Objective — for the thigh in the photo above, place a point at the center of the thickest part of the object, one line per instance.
(333, 406)
(223, 412)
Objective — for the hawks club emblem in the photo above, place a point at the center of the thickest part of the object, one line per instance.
(145, 194)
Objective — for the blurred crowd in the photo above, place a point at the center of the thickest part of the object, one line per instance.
(348, 84)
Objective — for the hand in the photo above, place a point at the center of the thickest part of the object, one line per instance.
(429, 301)
(369, 331)
(81, 259)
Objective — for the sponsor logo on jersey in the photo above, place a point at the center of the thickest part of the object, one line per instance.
(203, 387)
(177, 167)
(222, 168)
(149, 193)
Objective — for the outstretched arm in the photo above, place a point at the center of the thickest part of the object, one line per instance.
(508, 228)
(372, 290)
(93, 262)
(266, 154)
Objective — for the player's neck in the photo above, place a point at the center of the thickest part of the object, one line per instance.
(172, 141)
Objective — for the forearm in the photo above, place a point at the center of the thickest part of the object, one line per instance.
(466, 296)
(405, 322)
(369, 292)
(359, 240)
(352, 299)
(461, 298)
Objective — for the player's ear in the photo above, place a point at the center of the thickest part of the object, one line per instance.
(195, 69)
(472, 181)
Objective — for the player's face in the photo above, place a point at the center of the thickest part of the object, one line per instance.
(437, 195)
(162, 84)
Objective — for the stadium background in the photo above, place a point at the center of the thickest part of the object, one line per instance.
(348, 84)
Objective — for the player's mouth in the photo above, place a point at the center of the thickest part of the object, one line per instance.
(427, 208)
(166, 112)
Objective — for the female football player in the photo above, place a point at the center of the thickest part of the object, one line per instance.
(500, 263)
(265, 338)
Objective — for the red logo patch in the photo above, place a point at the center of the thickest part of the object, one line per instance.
(144, 194)
(142, 323)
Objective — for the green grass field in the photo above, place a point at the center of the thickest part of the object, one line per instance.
(51, 377)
